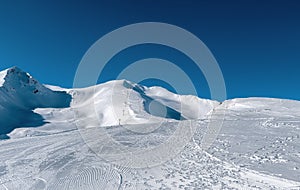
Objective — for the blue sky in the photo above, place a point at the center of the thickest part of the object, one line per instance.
(257, 44)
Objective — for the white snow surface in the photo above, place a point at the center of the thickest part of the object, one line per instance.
(258, 146)
(2, 76)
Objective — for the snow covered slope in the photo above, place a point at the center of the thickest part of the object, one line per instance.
(54, 133)
(2, 76)
(122, 102)
(262, 134)
(20, 94)
(24, 102)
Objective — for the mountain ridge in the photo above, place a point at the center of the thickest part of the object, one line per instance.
(106, 131)
(25, 103)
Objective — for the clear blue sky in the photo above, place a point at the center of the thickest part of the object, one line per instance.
(256, 43)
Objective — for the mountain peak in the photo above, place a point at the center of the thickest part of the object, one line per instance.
(21, 87)
(17, 71)
(14, 68)
(13, 75)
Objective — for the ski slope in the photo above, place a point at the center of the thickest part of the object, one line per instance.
(56, 138)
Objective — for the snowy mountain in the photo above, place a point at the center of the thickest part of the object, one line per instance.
(56, 138)
(26, 103)
(20, 94)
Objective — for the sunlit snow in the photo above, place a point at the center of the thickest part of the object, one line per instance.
(51, 138)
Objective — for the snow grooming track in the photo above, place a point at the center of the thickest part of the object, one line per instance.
(89, 179)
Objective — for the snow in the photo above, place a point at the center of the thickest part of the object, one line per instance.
(261, 134)
(56, 137)
(123, 102)
(2, 77)
(191, 107)
(20, 94)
